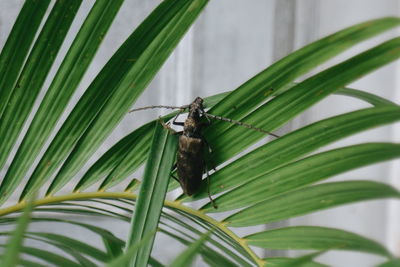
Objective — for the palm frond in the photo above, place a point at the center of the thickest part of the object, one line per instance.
(276, 181)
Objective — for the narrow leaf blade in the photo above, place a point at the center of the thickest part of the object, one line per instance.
(285, 106)
(279, 262)
(152, 192)
(312, 237)
(310, 199)
(15, 243)
(60, 91)
(258, 163)
(306, 171)
(273, 79)
(186, 258)
(392, 263)
(34, 73)
(17, 47)
(302, 261)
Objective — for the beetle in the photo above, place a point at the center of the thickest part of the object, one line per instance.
(190, 162)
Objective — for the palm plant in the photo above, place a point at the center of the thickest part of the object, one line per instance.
(274, 182)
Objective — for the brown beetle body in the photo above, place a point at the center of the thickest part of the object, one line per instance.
(190, 163)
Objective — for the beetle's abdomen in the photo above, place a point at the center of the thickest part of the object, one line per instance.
(190, 163)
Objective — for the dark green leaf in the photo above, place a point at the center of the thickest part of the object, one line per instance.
(392, 263)
(247, 97)
(113, 80)
(15, 243)
(303, 261)
(152, 192)
(284, 71)
(224, 244)
(133, 185)
(27, 263)
(75, 244)
(279, 262)
(305, 171)
(136, 145)
(130, 86)
(365, 96)
(50, 257)
(124, 258)
(61, 89)
(312, 237)
(374, 100)
(154, 263)
(214, 259)
(300, 97)
(258, 164)
(310, 199)
(34, 73)
(212, 256)
(17, 47)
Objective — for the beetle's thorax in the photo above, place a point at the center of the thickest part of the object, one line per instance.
(191, 126)
(195, 108)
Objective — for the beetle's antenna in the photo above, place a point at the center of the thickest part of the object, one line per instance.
(240, 123)
(160, 106)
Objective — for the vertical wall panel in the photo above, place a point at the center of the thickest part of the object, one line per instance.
(232, 43)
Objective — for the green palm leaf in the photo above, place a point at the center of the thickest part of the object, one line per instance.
(34, 73)
(273, 182)
(66, 81)
(392, 263)
(17, 47)
(143, 68)
(319, 197)
(303, 261)
(152, 192)
(289, 104)
(11, 257)
(308, 170)
(283, 261)
(312, 237)
(258, 164)
(187, 257)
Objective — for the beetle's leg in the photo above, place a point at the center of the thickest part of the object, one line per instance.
(174, 122)
(207, 158)
(178, 123)
(172, 173)
(207, 144)
(176, 179)
(208, 154)
(205, 115)
(166, 126)
(174, 167)
(208, 191)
